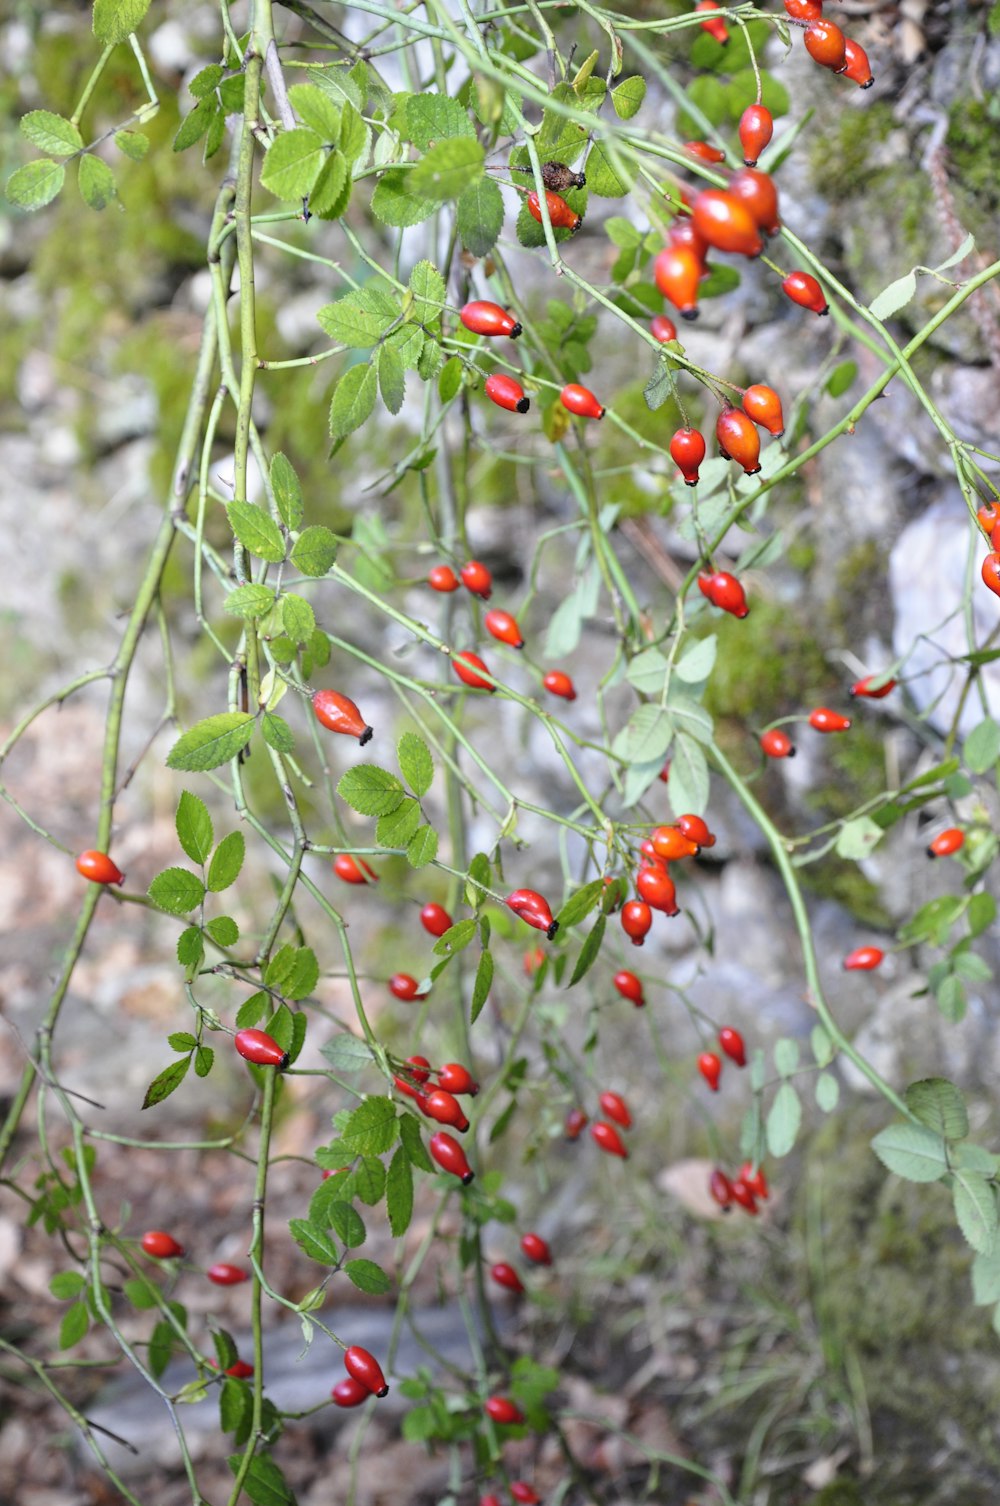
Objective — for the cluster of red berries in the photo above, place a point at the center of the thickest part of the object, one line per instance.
(481, 317)
(364, 1378)
(731, 1044)
(744, 1190)
(535, 1249)
(654, 886)
(440, 1101)
(825, 43)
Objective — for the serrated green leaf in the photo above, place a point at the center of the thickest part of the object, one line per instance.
(74, 1325)
(315, 1242)
(627, 97)
(194, 827)
(256, 531)
(277, 733)
(479, 216)
(982, 746)
(116, 20)
(367, 1276)
(369, 1180)
(580, 904)
(894, 297)
(604, 178)
(783, 1121)
(911, 1151)
(976, 1210)
(646, 737)
(355, 135)
(252, 1010)
(264, 1483)
(857, 838)
(287, 490)
(434, 117)
(51, 133)
(391, 379)
(165, 1082)
(450, 379)
(952, 999)
(176, 890)
(35, 185)
(249, 601)
(317, 110)
(65, 1285)
(293, 163)
(227, 861)
(397, 827)
(422, 847)
(362, 317)
(456, 938)
(448, 168)
(142, 1295)
(211, 742)
(482, 985)
(429, 295)
(697, 662)
(933, 920)
(648, 672)
(204, 1058)
(132, 144)
(348, 1224)
(96, 181)
(223, 930)
(395, 204)
(981, 914)
(370, 791)
(191, 950)
(986, 1278)
(347, 1053)
(371, 1128)
(415, 762)
(688, 787)
(314, 551)
(399, 1190)
(235, 1405)
(353, 400)
(939, 1105)
(297, 618)
(293, 971)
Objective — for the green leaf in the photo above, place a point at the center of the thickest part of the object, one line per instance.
(354, 134)
(293, 971)
(143, 1295)
(397, 827)
(456, 938)
(933, 920)
(293, 163)
(315, 1242)
(689, 715)
(911, 1151)
(65, 1285)
(895, 296)
(786, 1051)
(482, 985)
(986, 1278)
(226, 863)
(96, 181)
(211, 742)
(74, 1325)
(981, 914)
(660, 386)
(347, 1053)
(450, 379)
(604, 179)
(688, 787)
(627, 97)
(367, 1276)
(648, 672)
(297, 618)
(646, 737)
(841, 377)
(51, 133)
(287, 491)
(176, 890)
(165, 1082)
(479, 216)
(223, 930)
(204, 1058)
(939, 1105)
(391, 379)
(196, 123)
(580, 904)
(976, 1210)
(251, 1010)
(191, 950)
(822, 1046)
(589, 950)
(348, 1224)
(194, 827)
(434, 117)
(429, 295)
(982, 746)
(370, 791)
(235, 1405)
(857, 838)
(952, 999)
(314, 551)
(415, 762)
(116, 20)
(369, 1180)
(413, 1144)
(316, 109)
(447, 170)
(399, 1189)
(697, 662)
(371, 1127)
(395, 204)
(264, 1483)
(361, 318)
(827, 1092)
(256, 531)
(35, 184)
(422, 847)
(783, 1121)
(132, 144)
(353, 400)
(249, 601)
(277, 733)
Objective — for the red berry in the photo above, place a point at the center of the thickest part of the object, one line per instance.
(757, 193)
(720, 1189)
(710, 1067)
(732, 1044)
(657, 889)
(364, 1368)
(445, 1108)
(506, 393)
(826, 44)
(863, 688)
(756, 129)
(443, 578)
(523, 1492)
(532, 908)
(503, 627)
(804, 10)
(339, 714)
(946, 843)
(662, 328)
(724, 591)
(490, 1501)
(536, 1249)
(763, 405)
(533, 960)
(581, 401)
(405, 987)
(637, 918)
(608, 1138)
(822, 719)
(682, 232)
(704, 152)
(991, 572)
(350, 1393)
(160, 1245)
(696, 829)
(227, 1275)
(738, 440)
(857, 68)
(803, 289)
(988, 517)
(677, 272)
(743, 1195)
(472, 671)
(99, 868)
(576, 1122)
(560, 214)
(614, 1105)
(260, 1048)
(505, 1275)
(671, 844)
(418, 1069)
(241, 1370)
(484, 318)
(717, 27)
(629, 986)
(457, 1079)
(777, 744)
(435, 919)
(755, 1180)
(726, 223)
(556, 682)
(353, 870)
(503, 1410)
(863, 959)
(477, 579)
(687, 451)
(450, 1156)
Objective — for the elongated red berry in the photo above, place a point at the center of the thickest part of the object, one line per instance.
(671, 844)
(419, 1074)
(339, 714)
(561, 215)
(557, 682)
(696, 829)
(662, 329)
(352, 870)
(755, 130)
(615, 1107)
(727, 593)
(443, 578)
(710, 1067)
(363, 1367)
(349, 1392)
(863, 959)
(732, 1044)
(99, 868)
(991, 572)
(446, 1109)
(260, 1048)
(503, 1411)
(609, 1140)
(637, 918)
(726, 223)
(720, 1189)
(777, 744)
(988, 517)
(450, 1156)
(758, 194)
(687, 451)
(864, 688)
(405, 987)
(804, 10)
(677, 272)
(477, 579)
(857, 67)
(419, 1068)
(536, 1249)
(822, 719)
(485, 318)
(657, 889)
(743, 1195)
(755, 1180)
(503, 627)
(581, 401)
(160, 1245)
(576, 1123)
(763, 405)
(506, 1276)
(946, 843)
(242, 1370)
(472, 671)
(629, 986)
(682, 232)
(826, 44)
(704, 151)
(506, 393)
(224, 1274)
(717, 27)
(435, 919)
(738, 440)
(457, 1079)
(531, 907)
(803, 289)
(524, 1493)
